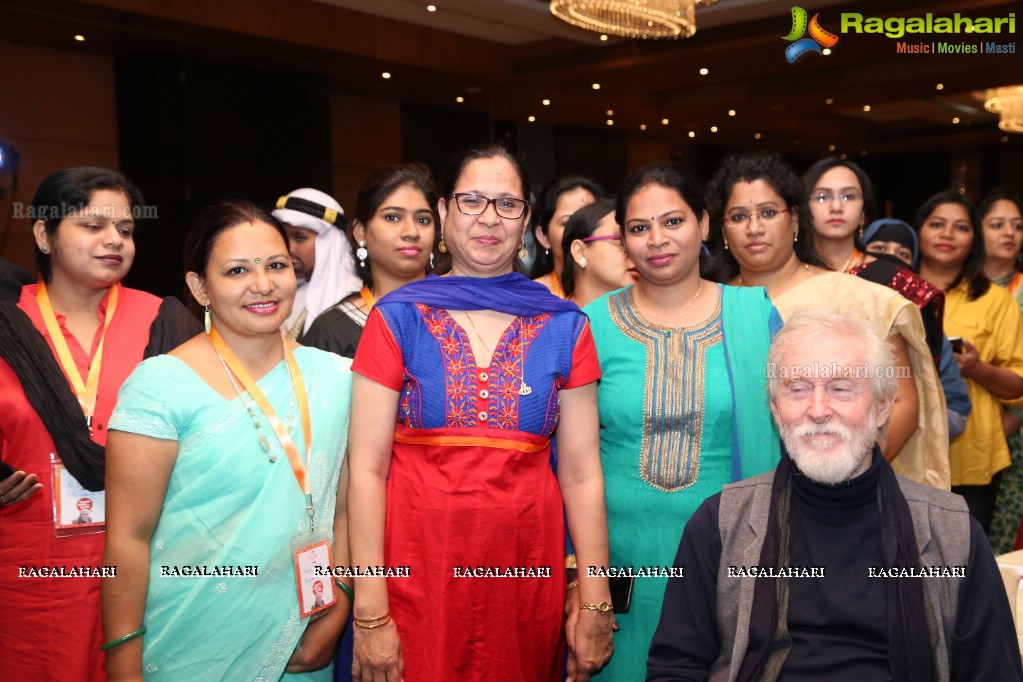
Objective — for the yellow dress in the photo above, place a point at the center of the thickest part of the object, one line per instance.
(994, 325)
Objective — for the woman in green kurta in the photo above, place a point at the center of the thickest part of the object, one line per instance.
(683, 364)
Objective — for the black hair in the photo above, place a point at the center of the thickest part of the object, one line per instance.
(212, 222)
(813, 175)
(749, 167)
(458, 165)
(972, 270)
(374, 191)
(581, 225)
(547, 204)
(671, 177)
(62, 194)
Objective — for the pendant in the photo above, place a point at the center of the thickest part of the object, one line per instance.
(524, 389)
(263, 443)
(273, 458)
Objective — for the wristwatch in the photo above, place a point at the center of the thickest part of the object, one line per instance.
(603, 607)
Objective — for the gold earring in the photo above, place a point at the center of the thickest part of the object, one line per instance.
(523, 251)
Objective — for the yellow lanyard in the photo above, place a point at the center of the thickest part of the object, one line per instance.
(87, 390)
(367, 298)
(301, 469)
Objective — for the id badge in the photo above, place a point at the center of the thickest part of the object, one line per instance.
(315, 582)
(76, 511)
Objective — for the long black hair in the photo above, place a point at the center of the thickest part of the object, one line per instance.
(581, 225)
(543, 213)
(972, 270)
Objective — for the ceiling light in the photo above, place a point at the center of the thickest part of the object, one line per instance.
(531, 119)
(546, 102)
(756, 136)
(713, 129)
(704, 72)
(459, 99)
(866, 107)
(829, 101)
(664, 121)
(610, 112)
(642, 126)
(831, 147)
(955, 120)
(1007, 102)
(692, 133)
(731, 112)
(642, 19)
(826, 51)
(939, 86)
(431, 8)
(603, 36)
(595, 86)
(80, 38)
(385, 75)
(610, 122)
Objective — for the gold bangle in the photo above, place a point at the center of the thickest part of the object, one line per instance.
(370, 621)
(387, 619)
(572, 585)
(602, 607)
(570, 561)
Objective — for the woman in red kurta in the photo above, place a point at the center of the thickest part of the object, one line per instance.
(478, 370)
(51, 625)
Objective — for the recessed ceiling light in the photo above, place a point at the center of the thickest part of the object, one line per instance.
(756, 136)
(713, 129)
(863, 152)
(531, 119)
(610, 121)
(385, 74)
(955, 120)
(831, 147)
(842, 156)
(603, 37)
(642, 126)
(731, 112)
(692, 133)
(595, 86)
(610, 112)
(829, 101)
(826, 51)
(704, 72)
(664, 121)
(866, 107)
(80, 38)
(939, 86)
(431, 8)
(1005, 138)
(546, 102)
(459, 99)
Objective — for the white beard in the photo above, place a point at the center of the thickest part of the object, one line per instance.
(824, 461)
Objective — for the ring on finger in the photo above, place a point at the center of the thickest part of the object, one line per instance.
(2, 500)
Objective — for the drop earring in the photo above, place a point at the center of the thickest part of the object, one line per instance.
(795, 237)
(441, 246)
(206, 322)
(861, 232)
(431, 260)
(523, 251)
(362, 254)
(725, 240)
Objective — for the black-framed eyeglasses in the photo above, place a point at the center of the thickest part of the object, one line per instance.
(767, 216)
(471, 203)
(828, 197)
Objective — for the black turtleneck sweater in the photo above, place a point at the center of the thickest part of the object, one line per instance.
(838, 623)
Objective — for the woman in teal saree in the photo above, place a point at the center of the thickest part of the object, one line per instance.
(211, 486)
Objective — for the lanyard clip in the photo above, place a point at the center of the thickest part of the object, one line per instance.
(310, 511)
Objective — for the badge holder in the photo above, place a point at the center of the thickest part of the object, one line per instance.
(314, 581)
(76, 511)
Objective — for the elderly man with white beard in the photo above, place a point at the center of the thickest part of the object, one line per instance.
(831, 567)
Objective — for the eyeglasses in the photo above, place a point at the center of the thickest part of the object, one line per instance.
(828, 197)
(616, 240)
(471, 203)
(768, 216)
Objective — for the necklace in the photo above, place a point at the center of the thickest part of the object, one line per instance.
(684, 310)
(1005, 281)
(263, 442)
(524, 388)
(805, 265)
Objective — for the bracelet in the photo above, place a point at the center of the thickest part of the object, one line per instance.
(570, 561)
(349, 592)
(370, 621)
(121, 640)
(602, 607)
(374, 626)
(572, 585)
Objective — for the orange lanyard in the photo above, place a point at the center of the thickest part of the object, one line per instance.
(556, 287)
(301, 469)
(367, 298)
(85, 390)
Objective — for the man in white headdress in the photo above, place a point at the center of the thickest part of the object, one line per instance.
(315, 223)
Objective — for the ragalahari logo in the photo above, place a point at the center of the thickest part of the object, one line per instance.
(818, 36)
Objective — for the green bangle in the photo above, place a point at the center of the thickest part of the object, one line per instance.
(349, 592)
(121, 640)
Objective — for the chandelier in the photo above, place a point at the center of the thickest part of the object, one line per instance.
(644, 19)
(1007, 102)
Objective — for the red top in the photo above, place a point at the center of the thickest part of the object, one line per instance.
(51, 627)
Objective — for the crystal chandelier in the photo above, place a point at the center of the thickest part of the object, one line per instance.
(1007, 102)
(644, 19)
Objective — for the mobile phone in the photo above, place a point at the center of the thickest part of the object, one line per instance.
(621, 592)
(6, 469)
(956, 343)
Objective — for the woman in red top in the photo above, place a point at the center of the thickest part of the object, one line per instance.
(65, 350)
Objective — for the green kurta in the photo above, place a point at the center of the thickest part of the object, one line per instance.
(666, 439)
